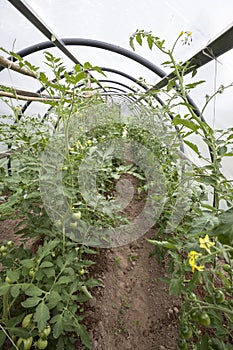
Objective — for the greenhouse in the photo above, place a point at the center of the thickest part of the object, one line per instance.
(116, 175)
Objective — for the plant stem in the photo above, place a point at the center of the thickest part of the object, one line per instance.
(207, 131)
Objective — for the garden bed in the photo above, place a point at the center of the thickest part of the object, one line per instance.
(132, 307)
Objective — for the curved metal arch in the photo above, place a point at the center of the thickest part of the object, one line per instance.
(92, 43)
(104, 69)
(27, 104)
(126, 75)
(117, 83)
(105, 46)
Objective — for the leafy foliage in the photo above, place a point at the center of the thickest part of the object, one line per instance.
(200, 247)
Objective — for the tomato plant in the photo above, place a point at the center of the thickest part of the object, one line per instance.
(200, 247)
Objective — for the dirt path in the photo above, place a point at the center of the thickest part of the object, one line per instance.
(132, 308)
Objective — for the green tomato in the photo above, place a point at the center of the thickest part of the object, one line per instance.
(3, 249)
(73, 224)
(219, 296)
(58, 223)
(19, 342)
(204, 319)
(42, 343)
(32, 273)
(194, 315)
(186, 332)
(27, 320)
(81, 272)
(27, 343)
(46, 331)
(10, 243)
(8, 280)
(192, 296)
(77, 216)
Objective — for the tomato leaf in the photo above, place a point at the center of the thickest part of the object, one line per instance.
(175, 286)
(82, 332)
(42, 315)
(164, 244)
(58, 327)
(193, 146)
(31, 302)
(185, 122)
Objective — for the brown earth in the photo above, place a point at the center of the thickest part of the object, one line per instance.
(132, 309)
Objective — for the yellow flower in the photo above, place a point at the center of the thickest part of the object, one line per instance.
(193, 256)
(182, 33)
(189, 33)
(205, 243)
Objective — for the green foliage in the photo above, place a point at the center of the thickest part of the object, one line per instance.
(199, 245)
(42, 293)
(224, 229)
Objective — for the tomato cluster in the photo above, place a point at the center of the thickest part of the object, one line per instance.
(27, 343)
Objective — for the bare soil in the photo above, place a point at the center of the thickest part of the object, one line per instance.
(7, 231)
(132, 309)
